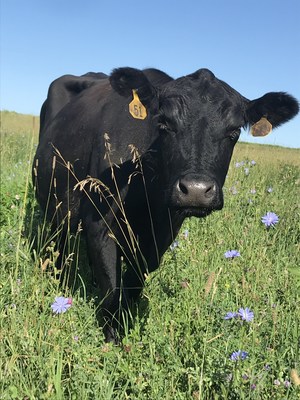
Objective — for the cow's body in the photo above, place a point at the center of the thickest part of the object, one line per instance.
(150, 173)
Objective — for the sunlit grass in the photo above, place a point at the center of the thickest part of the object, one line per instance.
(180, 344)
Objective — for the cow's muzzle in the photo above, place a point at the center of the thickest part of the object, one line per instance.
(194, 193)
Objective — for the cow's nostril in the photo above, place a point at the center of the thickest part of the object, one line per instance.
(210, 191)
(183, 188)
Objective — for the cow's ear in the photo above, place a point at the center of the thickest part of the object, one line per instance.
(125, 80)
(276, 107)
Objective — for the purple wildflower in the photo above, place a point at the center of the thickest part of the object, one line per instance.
(253, 386)
(246, 314)
(270, 189)
(61, 304)
(270, 219)
(277, 382)
(174, 245)
(231, 254)
(237, 165)
(238, 355)
(246, 170)
(267, 367)
(231, 315)
(287, 383)
(253, 162)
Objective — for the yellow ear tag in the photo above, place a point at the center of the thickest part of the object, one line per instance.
(136, 108)
(261, 128)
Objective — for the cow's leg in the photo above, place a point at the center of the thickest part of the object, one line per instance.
(137, 271)
(105, 262)
(150, 252)
(133, 283)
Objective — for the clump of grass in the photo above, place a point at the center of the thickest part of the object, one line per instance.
(180, 345)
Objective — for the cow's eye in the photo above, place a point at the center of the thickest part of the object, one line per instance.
(164, 126)
(235, 134)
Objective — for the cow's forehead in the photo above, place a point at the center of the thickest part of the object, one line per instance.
(212, 88)
(212, 98)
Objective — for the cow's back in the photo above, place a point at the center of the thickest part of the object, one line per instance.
(63, 90)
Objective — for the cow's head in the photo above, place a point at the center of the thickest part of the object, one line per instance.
(199, 119)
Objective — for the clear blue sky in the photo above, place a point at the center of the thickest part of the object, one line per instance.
(254, 45)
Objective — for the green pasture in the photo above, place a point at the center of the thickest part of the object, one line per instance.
(180, 345)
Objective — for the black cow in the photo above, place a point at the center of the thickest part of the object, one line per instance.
(133, 170)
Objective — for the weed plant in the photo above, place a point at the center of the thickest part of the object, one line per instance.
(183, 343)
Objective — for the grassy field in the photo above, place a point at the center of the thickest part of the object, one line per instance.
(181, 346)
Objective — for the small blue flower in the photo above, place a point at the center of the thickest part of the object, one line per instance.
(238, 355)
(270, 189)
(246, 170)
(61, 304)
(246, 314)
(231, 315)
(237, 165)
(270, 219)
(231, 254)
(253, 162)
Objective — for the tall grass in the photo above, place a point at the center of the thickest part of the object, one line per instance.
(180, 344)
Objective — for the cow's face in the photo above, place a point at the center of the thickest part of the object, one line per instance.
(199, 119)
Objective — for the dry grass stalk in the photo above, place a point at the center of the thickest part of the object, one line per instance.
(295, 377)
(209, 283)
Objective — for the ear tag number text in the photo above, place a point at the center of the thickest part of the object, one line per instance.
(136, 108)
